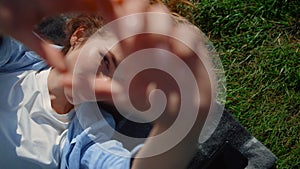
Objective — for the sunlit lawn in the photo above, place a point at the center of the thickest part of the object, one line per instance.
(259, 45)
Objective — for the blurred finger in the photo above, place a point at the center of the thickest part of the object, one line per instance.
(83, 90)
(159, 21)
(103, 89)
(127, 7)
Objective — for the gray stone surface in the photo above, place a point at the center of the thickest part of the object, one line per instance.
(231, 132)
(259, 156)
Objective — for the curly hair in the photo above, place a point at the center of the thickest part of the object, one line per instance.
(91, 23)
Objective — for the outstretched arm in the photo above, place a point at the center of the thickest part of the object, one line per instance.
(183, 141)
(174, 61)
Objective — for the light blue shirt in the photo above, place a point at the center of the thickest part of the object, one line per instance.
(14, 57)
(28, 127)
(82, 152)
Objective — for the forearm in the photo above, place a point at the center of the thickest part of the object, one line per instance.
(194, 102)
(177, 157)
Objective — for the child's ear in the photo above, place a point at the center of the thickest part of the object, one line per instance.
(77, 37)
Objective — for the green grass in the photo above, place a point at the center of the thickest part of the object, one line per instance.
(259, 46)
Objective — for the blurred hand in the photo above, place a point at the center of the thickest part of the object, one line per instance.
(153, 51)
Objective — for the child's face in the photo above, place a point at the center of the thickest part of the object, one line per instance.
(93, 66)
(94, 61)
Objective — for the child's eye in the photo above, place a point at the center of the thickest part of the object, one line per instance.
(105, 61)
